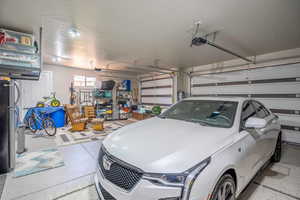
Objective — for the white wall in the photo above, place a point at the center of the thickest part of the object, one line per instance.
(62, 78)
(32, 91)
(56, 79)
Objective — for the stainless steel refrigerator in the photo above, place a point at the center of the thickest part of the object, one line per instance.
(7, 125)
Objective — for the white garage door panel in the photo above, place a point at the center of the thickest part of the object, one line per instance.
(273, 88)
(291, 136)
(275, 72)
(289, 119)
(158, 91)
(289, 104)
(158, 100)
(157, 83)
(236, 89)
(267, 85)
(224, 77)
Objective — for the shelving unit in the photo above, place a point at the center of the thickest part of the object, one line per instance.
(124, 96)
(104, 104)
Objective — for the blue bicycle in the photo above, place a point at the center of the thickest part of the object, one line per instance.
(41, 121)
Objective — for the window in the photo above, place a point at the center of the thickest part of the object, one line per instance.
(204, 112)
(247, 112)
(79, 81)
(82, 81)
(261, 111)
(90, 81)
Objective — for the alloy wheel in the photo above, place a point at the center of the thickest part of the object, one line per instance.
(226, 191)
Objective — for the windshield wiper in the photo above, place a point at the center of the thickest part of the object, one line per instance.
(162, 117)
(201, 122)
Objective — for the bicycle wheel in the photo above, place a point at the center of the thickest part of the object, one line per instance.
(32, 124)
(49, 126)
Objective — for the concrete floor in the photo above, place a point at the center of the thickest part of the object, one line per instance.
(74, 181)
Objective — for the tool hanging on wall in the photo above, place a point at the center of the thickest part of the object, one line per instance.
(202, 40)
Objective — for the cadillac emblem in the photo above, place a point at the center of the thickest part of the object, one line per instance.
(106, 163)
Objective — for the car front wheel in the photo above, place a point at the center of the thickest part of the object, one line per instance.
(225, 189)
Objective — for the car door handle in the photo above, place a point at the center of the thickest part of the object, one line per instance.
(240, 149)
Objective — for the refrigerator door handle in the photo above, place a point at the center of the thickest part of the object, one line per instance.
(18, 92)
(15, 84)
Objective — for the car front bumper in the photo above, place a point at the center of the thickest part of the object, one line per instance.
(143, 190)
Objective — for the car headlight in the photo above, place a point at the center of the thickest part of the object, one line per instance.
(166, 179)
(193, 174)
(184, 180)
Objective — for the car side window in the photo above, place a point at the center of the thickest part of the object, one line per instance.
(247, 112)
(261, 111)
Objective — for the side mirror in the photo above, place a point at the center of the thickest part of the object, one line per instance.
(254, 122)
(163, 110)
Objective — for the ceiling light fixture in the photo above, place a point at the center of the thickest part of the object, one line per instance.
(74, 33)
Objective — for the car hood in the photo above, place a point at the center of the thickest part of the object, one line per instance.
(166, 145)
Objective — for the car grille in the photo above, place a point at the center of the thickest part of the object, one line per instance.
(106, 194)
(120, 174)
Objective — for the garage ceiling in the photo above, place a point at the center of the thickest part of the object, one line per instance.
(116, 34)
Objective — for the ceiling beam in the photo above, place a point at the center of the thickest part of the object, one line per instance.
(145, 67)
(79, 68)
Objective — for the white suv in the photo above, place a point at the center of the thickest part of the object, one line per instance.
(199, 149)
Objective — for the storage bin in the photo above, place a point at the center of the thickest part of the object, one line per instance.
(59, 118)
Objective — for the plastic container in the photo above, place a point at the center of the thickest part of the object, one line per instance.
(58, 118)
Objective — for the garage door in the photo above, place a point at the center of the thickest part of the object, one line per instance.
(157, 91)
(277, 87)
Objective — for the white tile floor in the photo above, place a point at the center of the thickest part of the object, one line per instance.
(2, 181)
(74, 181)
(266, 186)
(77, 173)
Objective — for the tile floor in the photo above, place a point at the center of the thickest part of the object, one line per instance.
(77, 173)
(2, 181)
(74, 181)
(276, 182)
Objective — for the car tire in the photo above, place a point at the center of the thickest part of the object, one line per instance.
(276, 157)
(225, 184)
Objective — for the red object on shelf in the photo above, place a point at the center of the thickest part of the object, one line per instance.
(4, 39)
(126, 109)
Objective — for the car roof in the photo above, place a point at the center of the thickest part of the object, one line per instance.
(217, 98)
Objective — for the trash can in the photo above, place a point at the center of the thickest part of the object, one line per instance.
(21, 139)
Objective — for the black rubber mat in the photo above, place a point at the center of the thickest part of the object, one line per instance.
(64, 138)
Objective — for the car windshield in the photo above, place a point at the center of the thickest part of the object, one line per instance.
(204, 112)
